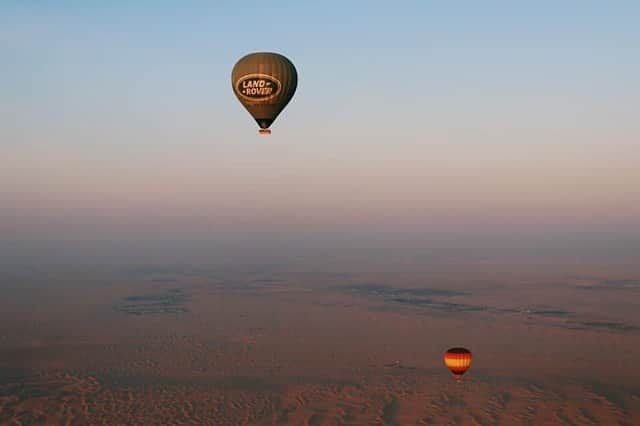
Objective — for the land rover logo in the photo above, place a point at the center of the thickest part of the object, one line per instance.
(258, 87)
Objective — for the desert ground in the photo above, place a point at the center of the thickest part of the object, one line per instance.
(554, 342)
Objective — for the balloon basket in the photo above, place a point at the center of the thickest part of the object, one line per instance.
(265, 132)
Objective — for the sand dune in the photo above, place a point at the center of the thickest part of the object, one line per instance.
(293, 347)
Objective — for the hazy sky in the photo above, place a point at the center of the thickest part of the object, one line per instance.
(416, 121)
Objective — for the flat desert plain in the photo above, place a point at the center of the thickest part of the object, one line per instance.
(553, 342)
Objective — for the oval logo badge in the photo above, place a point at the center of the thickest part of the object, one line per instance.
(258, 87)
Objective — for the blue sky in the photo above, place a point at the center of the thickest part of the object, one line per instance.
(85, 58)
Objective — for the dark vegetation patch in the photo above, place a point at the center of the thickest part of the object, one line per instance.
(400, 366)
(432, 298)
(420, 297)
(173, 271)
(388, 291)
(169, 302)
(595, 284)
(441, 306)
(244, 286)
(547, 312)
(603, 326)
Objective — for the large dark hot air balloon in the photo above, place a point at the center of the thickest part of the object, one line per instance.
(458, 360)
(264, 84)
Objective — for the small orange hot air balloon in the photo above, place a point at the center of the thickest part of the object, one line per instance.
(458, 360)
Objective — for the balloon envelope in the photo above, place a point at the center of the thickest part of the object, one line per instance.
(458, 360)
(264, 83)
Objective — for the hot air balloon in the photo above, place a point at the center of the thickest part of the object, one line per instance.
(264, 83)
(458, 360)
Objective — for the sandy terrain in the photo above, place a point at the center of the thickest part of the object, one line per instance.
(553, 343)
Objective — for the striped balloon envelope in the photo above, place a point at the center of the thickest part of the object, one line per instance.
(458, 360)
(264, 83)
